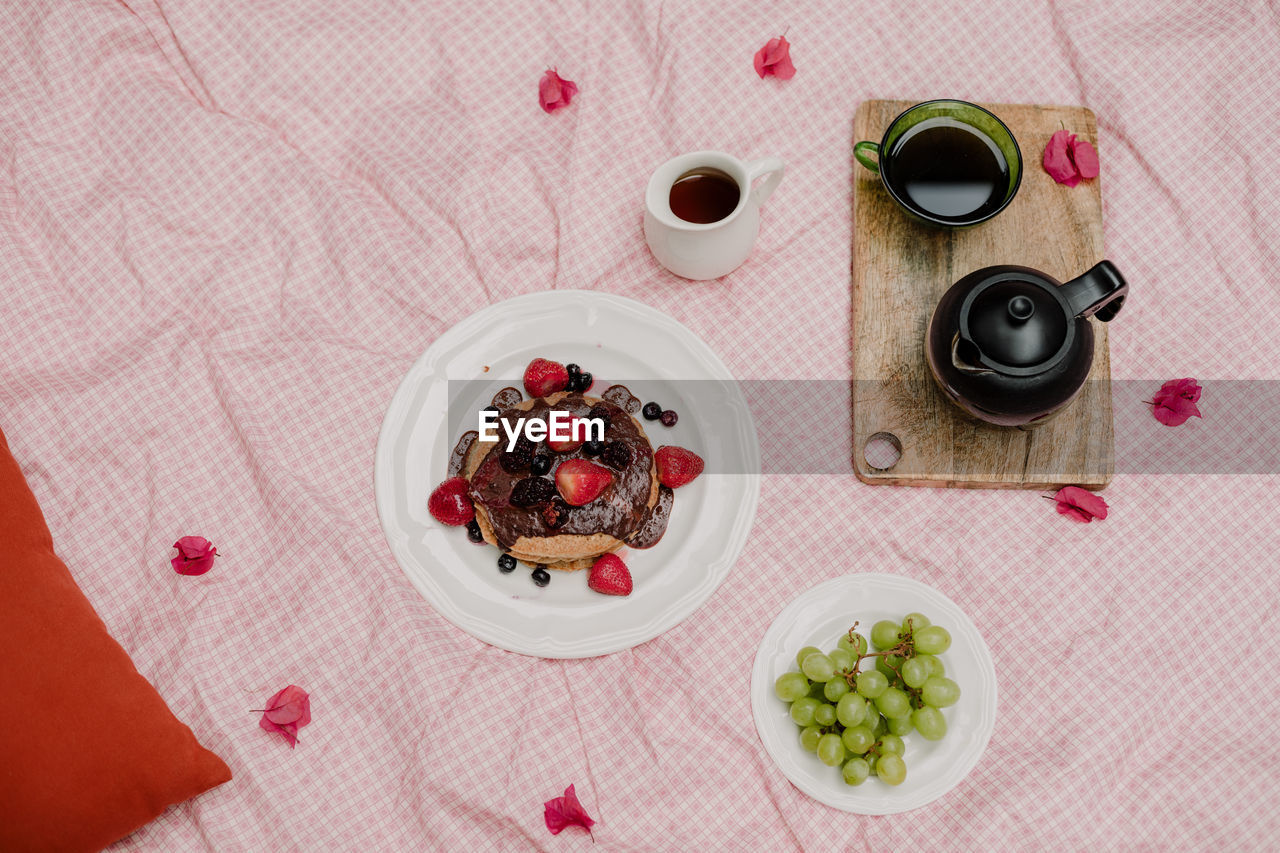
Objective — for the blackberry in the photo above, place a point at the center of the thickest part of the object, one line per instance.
(651, 411)
(669, 418)
(541, 576)
(540, 465)
(519, 459)
(506, 564)
(473, 532)
(532, 491)
(601, 412)
(616, 454)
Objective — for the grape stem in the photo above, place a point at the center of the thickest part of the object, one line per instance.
(906, 648)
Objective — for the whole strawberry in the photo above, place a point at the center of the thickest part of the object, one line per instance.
(543, 377)
(610, 576)
(449, 503)
(677, 466)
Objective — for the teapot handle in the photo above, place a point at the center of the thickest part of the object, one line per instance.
(1100, 291)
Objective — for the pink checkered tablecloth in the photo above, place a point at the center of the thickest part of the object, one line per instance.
(227, 229)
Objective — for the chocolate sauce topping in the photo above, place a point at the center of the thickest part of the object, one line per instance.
(620, 511)
(621, 396)
(654, 522)
(507, 397)
(458, 458)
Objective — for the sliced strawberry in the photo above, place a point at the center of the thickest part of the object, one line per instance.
(677, 466)
(580, 482)
(575, 428)
(543, 377)
(610, 576)
(449, 503)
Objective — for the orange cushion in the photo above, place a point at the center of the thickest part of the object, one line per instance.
(89, 752)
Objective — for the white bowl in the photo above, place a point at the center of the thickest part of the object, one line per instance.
(818, 618)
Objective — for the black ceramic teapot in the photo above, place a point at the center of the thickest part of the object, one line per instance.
(1012, 346)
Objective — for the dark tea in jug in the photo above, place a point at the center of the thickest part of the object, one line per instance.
(704, 195)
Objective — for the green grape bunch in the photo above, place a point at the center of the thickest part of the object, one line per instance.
(855, 718)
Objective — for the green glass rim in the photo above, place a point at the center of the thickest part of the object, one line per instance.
(974, 116)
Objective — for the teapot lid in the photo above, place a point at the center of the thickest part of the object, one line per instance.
(1018, 323)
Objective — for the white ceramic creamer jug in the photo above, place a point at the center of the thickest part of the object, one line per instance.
(688, 190)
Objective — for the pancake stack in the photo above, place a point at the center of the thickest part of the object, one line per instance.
(527, 516)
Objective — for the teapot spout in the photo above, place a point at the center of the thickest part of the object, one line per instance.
(1099, 292)
(959, 349)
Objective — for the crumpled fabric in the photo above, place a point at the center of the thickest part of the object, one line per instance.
(227, 231)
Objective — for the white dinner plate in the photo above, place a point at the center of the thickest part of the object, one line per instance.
(618, 340)
(818, 618)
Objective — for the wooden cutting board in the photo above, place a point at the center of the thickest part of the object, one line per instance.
(900, 270)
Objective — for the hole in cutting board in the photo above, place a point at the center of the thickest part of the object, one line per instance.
(882, 451)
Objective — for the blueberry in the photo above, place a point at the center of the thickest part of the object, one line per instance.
(473, 531)
(592, 448)
(506, 564)
(541, 576)
(651, 411)
(491, 409)
(540, 465)
(616, 454)
(584, 382)
(669, 418)
(572, 369)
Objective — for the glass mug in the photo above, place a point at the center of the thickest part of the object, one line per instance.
(948, 163)
(702, 212)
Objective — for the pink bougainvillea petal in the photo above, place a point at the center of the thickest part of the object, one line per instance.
(1069, 160)
(1175, 411)
(783, 69)
(561, 812)
(1175, 403)
(286, 712)
(774, 59)
(1057, 159)
(195, 555)
(554, 91)
(1187, 388)
(1080, 504)
(1085, 157)
(288, 706)
(289, 730)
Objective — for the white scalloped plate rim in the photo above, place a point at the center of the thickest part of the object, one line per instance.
(933, 769)
(710, 522)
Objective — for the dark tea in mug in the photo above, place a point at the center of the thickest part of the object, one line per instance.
(948, 163)
(947, 169)
(704, 195)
